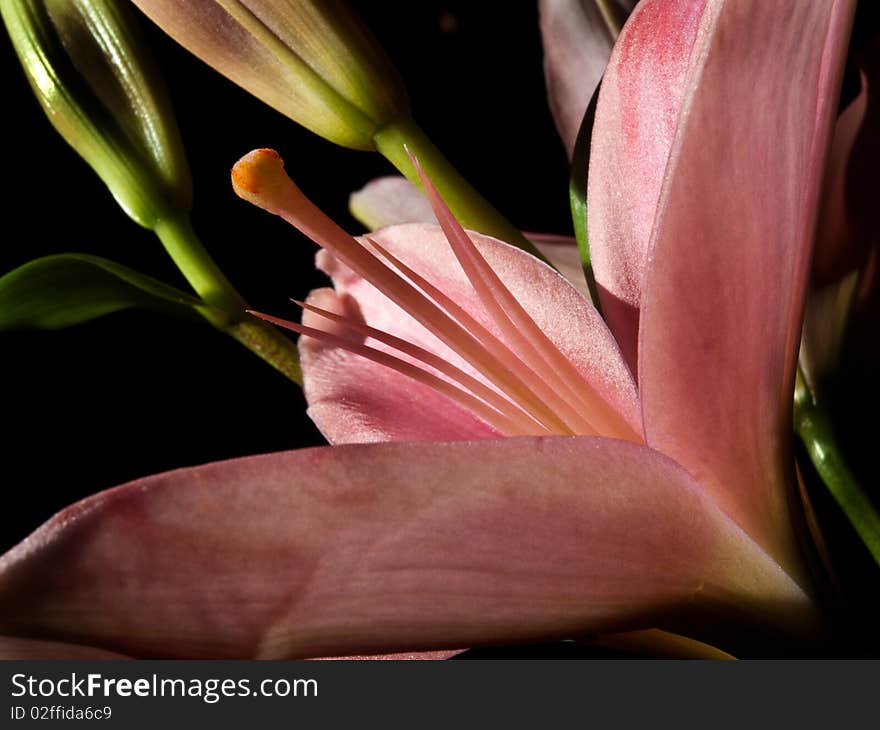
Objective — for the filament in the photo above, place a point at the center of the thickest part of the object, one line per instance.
(531, 387)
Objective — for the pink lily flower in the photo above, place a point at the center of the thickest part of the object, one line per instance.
(607, 506)
(577, 39)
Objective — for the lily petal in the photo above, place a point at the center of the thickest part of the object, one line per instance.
(577, 36)
(392, 547)
(12, 647)
(353, 400)
(387, 201)
(636, 121)
(431, 656)
(847, 221)
(724, 292)
(562, 252)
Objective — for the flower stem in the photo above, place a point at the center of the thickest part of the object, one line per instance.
(269, 344)
(472, 210)
(813, 426)
(196, 264)
(209, 282)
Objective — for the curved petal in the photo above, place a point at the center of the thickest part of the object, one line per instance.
(636, 119)
(826, 317)
(577, 36)
(562, 252)
(14, 648)
(353, 400)
(662, 644)
(723, 299)
(847, 221)
(431, 656)
(387, 201)
(392, 547)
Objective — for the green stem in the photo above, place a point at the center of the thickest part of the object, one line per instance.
(196, 264)
(812, 424)
(268, 343)
(209, 282)
(470, 208)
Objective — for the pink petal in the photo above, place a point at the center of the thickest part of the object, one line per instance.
(723, 298)
(847, 220)
(577, 41)
(387, 201)
(432, 656)
(14, 648)
(636, 119)
(826, 315)
(393, 547)
(562, 252)
(353, 400)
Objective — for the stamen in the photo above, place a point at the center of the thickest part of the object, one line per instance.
(497, 420)
(259, 178)
(489, 341)
(468, 382)
(521, 329)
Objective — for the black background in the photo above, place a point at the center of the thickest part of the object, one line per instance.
(133, 394)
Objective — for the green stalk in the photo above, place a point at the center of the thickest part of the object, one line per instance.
(268, 343)
(195, 263)
(469, 207)
(814, 428)
(209, 282)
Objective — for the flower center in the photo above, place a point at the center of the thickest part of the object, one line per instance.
(529, 386)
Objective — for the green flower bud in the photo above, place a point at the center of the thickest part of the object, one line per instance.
(312, 60)
(104, 96)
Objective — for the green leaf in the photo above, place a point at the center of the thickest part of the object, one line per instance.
(577, 192)
(67, 289)
(577, 182)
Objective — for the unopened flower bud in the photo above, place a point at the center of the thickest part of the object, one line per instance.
(312, 60)
(102, 93)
